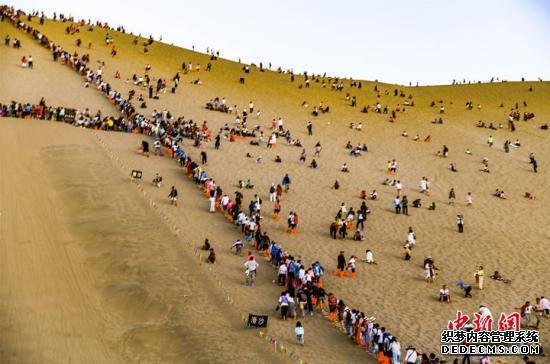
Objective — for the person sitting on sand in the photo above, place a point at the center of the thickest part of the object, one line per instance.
(336, 185)
(498, 277)
(452, 167)
(369, 257)
(416, 138)
(246, 184)
(373, 195)
(278, 159)
(417, 203)
(344, 168)
(363, 195)
(206, 245)
(359, 235)
(432, 207)
(404, 134)
(468, 152)
(211, 256)
(529, 195)
(313, 164)
(444, 295)
(348, 145)
(500, 194)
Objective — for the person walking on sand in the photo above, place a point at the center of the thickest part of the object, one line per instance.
(411, 238)
(299, 332)
(173, 195)
(479, 275)
(395, 349)
(272, 193)
(405, 205)
(309, 128)
(397, 205)
(429, 272)
(251, 270)
(286, 182)
(452, 196)
(283, 305)
(460, 223)
(212, 201)
(340, 264)
(490, 140)
(535, 165)
(398, 187)
(469, 199)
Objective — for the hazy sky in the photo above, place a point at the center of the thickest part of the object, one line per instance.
(430, 41)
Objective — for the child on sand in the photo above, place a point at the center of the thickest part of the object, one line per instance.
(299, 332)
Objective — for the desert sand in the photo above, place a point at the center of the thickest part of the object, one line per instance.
(92, 273)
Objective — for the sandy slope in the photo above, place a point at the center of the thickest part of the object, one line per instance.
(89, 272)
(509, 236)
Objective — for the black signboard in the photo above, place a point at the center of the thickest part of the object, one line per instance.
(257, 320)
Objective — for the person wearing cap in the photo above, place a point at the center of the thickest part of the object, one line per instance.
(411, 356)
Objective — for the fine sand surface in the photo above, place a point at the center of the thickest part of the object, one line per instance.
(89, 273)
(128, 269)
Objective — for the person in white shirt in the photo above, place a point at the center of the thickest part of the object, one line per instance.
(369, 257)
(299, 332)
(545, 305)
(444, 294)
(395, 348)
(398, 187)
(351, 266)
(411, 238)
(283, 271)
(484, 311)
(411, 356)
(212, 201)
(272, 193)
(251, 266)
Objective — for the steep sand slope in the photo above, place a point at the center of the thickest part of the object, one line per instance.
(89, 273)
(505, 235)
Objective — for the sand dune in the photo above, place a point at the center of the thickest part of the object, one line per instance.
(125, 288)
